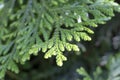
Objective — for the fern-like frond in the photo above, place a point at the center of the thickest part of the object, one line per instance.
(50, 26)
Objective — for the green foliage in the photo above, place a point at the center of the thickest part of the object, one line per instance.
(113, 71)
(114, 68)
(86, 76)
(30, 26)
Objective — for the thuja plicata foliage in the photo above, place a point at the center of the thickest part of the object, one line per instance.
(50, 26)
(113, 69)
